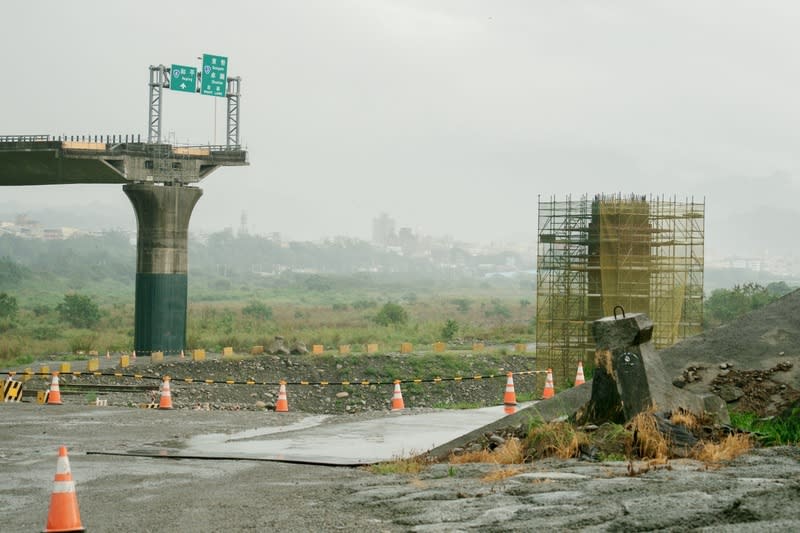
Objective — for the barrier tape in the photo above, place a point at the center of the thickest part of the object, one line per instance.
(322, 383)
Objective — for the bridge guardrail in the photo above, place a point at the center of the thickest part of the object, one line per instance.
(23, 138)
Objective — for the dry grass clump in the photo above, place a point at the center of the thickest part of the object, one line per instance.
(556, 439)
(480, 456)
(508, 453)
(648, 441)
(413, 464)
(729, 448)
(686, 419)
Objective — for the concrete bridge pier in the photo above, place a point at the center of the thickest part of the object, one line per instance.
(162, 215)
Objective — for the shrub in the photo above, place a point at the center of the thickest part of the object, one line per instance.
(462, 304)
(450, 329)
(391, 314)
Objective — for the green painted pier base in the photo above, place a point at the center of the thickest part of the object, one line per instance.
(162, 216)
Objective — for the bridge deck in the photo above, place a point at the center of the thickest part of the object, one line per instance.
(44, 160)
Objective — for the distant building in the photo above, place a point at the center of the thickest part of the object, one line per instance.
(383, 230)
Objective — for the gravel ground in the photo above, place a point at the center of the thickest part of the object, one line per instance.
(758, 491)
(333, 398)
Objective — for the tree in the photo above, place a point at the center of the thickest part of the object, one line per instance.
(726, 304)
(8, 305)
(391, 314)
(79, 311)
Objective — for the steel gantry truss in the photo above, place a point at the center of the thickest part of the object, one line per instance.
(160, 79)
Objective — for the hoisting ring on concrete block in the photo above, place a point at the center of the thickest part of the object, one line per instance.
(621, 309)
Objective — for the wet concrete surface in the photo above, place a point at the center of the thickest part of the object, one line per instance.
(315, 439)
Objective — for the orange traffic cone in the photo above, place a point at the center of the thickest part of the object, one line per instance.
(63, 514)
(54, 398)
(579, 379)
(165, 401)
(549, 391)
(397, 398)
(510, 396)
(282, 405)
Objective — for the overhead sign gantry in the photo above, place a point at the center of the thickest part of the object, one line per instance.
(211, 80)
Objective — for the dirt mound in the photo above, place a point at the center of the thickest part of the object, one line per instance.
(752, 362)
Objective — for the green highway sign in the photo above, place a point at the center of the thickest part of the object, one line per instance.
(183, 78)
(215, 75)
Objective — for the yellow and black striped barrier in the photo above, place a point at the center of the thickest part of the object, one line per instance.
(12, 390)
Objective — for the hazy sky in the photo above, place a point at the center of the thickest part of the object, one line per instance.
(451, 116)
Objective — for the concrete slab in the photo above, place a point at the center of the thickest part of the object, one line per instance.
(326, 440)
(320, 440)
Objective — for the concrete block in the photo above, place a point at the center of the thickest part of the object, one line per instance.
(629, 376)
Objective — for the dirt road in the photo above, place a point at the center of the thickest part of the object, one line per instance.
(756, 492)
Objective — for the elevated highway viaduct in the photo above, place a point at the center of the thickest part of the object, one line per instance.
(161, 182)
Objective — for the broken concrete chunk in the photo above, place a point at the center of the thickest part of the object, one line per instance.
(629, 376)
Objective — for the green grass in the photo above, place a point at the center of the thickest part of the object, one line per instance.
(775, 431)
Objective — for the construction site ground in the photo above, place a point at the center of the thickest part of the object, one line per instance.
(753, 361)
(755, 492)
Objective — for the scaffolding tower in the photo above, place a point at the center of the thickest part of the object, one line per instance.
(644, 254)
